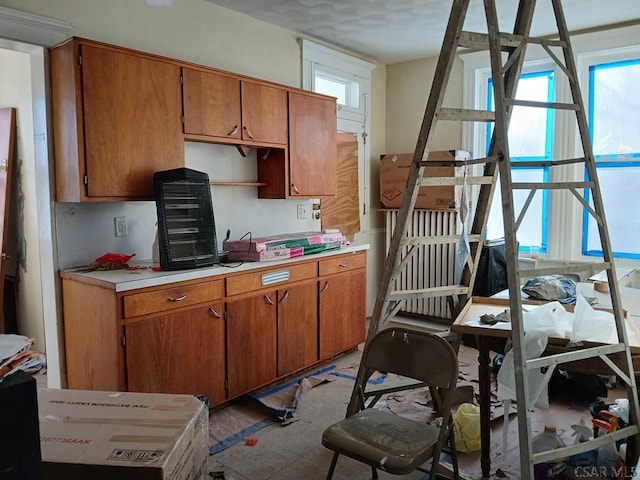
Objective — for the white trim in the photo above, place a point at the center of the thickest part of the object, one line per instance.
(320, 54)
(29, 33)
(33, 29)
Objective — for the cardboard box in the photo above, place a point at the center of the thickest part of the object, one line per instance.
(394, 170)
(122, 436)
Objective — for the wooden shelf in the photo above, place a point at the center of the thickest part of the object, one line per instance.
(239, 184)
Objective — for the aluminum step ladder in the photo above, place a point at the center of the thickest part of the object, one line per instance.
(507, 52)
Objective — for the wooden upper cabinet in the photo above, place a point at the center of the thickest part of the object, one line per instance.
(313, 147)
(116, 121)
(211, 104)
(264, 113)
(225, 109)
(308, 168)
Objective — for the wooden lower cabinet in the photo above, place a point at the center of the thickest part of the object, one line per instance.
(251, 342)
(297, 327)
(221, 336)
(182, 352)
(342, 312)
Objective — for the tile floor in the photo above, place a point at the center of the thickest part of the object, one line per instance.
(295, 452)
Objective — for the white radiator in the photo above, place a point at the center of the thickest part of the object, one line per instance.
(431, 265)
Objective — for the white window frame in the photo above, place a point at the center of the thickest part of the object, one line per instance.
(316, 58)
(565, 237)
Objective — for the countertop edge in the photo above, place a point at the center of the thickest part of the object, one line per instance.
(124, 280)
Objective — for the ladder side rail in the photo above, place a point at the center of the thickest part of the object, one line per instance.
(632, 391)
(442, 73)
(504, 87)
(593, 177)
(521, 29)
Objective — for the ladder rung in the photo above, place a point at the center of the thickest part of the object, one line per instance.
(580, 354)
(437, 240)
(547, 163)
(551, 185)
(426, 181)
(481, 40)
(592, 444)
(445, 291)
(477, 40)
(531, 103)
(460, 163)
(466, 115)
(568, 268)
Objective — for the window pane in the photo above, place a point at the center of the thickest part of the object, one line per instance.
(530, 137)
(615, 107)
(346, 91)
(619, 187)
(532, 230)
(529, 126)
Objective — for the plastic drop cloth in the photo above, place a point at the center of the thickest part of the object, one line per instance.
(535, 341)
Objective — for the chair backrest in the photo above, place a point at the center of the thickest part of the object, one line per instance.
(418, 355)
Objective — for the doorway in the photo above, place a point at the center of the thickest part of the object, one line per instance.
(36, 300)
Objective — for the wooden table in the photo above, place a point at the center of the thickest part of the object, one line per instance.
(493, 339)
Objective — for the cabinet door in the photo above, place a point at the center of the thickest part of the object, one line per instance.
(264, 113)
(211, 104)
(132, 121)
(251, 342)
(297, 327)
(342, 312)
(179, 353)
(313, 146)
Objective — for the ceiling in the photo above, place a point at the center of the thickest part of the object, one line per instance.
(393, 31)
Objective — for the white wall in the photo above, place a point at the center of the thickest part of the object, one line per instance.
(15, 91)
(203, 33)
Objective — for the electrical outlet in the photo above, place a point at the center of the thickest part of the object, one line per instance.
(120, 224)
(302, 211)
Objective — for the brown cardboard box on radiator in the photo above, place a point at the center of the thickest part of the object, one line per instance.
(118, 436)
(394, 170)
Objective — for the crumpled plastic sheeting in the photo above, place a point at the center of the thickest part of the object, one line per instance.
(535, 342)
(551, 287)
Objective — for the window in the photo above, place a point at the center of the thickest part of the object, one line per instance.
(530, 138)
(614, 116)
(608, 65)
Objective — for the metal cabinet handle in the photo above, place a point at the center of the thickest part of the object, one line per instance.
(295, 189)
(248, 132)
(286, 295)
(266, 297)
(233, 132)
(177, 299)
(213, 312)
(343, 265)
(326, 285)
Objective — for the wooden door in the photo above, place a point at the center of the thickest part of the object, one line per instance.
(312, 145)
(297, 327)
(343, 210)
(211, 104)
(132, 121)
(7, 145)
(264, 113)
(342, 312)
(182, 352)
(251, 342)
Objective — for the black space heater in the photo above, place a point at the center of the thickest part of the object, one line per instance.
(186, 226)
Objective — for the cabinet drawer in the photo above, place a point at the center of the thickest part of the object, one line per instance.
(342, 263)
(255, 281)
(170, 298)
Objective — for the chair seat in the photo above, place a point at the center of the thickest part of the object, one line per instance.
(382, 439)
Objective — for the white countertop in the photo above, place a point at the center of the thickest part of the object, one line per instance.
(125, 280)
